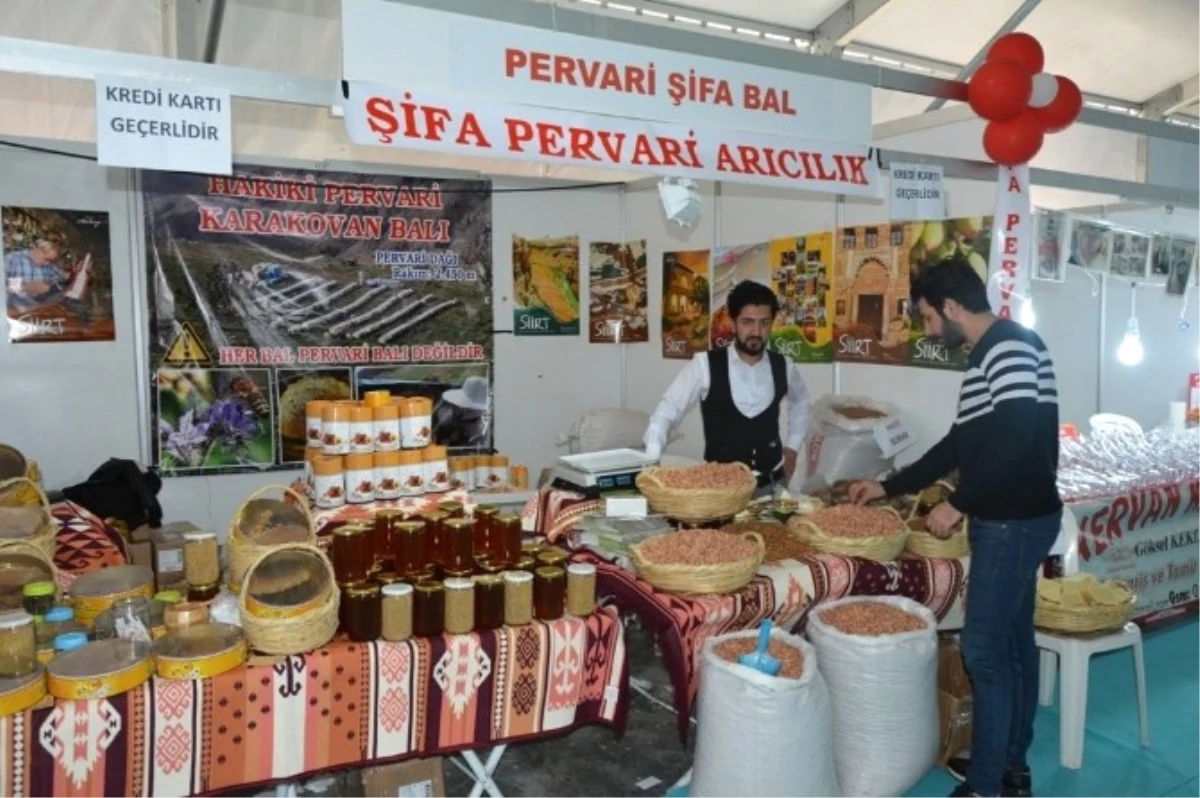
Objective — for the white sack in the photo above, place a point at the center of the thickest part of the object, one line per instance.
(844, 448)
(759, 735)
(884, 696)
(608, 428)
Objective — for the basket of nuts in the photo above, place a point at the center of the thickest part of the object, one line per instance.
(699, 493)
(873, 533)
(698, 561)
(921, 541)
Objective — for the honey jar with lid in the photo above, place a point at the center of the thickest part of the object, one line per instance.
(489, 601)
(460, 551)
(362, 611)
(549, 592)
(409, 546)
(352, 553)
(507, 537)
(429, 609)
(552, 557)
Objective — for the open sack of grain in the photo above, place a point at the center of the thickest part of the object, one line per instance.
(762, 735)
(841, 441)
(879, 658)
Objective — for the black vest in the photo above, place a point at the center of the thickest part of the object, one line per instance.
(730, 437)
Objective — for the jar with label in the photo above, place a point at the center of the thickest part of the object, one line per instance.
(329, 486)
(416, 422)
(518, 598)
(497, 473)
(360, 478)
(412, 473)
(335, 428)
(437, 469)
(37, 598)
(436, 540)
(363, 611)
(362, 430)
(429, 609)
(18, 644)
(385, 421)
(388, 476)
(352, 553)
(460, 606)
(489, 601)
(131, 619)
(462, 475)
(549, 593)
(581, 589)
(374, 399)
(383, 538)
(397, 612)
(482, 469)
(518, 477)
(201, 558)
(314, 423)
(408, 547)
(508, 537)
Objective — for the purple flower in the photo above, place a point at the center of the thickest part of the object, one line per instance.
(185, 440)
(230, 421)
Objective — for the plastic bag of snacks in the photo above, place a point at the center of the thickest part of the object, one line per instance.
(759, 734)
(841, 442)
(879, 657)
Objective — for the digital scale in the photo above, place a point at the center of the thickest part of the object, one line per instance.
(602, 472)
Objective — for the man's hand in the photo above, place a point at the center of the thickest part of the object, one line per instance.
(789, 463)
(866, 492)
(33, 287)
(942, 519)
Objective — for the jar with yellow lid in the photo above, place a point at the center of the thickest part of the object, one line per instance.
(18, 645)
(412, 472)
(437, 540)
(497, 475)
(482, 470)
(200, 651)
(335, 428)
(553, 557)
(352, 553)
(459, 552)
(385, 421)
(416, 422)
(201, 558)
(549, 593)
(462, 475)
(379, 398)
(526, 563)
(389, 477)
(100, 669)
(360, 477)
(409, 546)
(507, 537)
(313, 422)
(328, 482)
(95, 592)
(518, 598)
(429, 609)
(383, 534)
(362, 430)
(489, 601)
(362, 611)
(437, 469)
(37, 598)
(288, 583)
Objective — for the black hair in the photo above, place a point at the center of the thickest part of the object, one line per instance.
(748, 292)
(953, 278)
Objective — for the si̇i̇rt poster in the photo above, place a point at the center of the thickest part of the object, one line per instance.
(617, 279)
(545, 286)
(931, 243)
(271, 289)
(801, 272)
(685, 304)
(871, 303)
(730, 266)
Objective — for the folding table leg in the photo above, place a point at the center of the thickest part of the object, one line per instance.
(285, 790)
(482, 772)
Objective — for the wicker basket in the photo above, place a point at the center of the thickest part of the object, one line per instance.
(298, 633)
(14, 493)
(242, 551)
(30, 549)
(924, 544)
(700, 580)
(1083, 619)
(882, 548)
(13, 464)
(696, 505)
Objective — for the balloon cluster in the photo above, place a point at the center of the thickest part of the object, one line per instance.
(1020, 101)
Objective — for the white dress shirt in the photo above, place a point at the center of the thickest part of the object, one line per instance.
(753, 389)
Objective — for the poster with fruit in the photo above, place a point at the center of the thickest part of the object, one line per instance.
(932, 243)
(801, 277)
(685, 303)
(730, 266)
(870, 296)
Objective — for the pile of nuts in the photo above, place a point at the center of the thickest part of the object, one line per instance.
(697, 547)
(706, 476)
(790, 656)
(849, 521)
(858, 412)
(779, 542)
(872, 619)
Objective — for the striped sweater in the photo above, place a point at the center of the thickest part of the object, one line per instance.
(1004, 441)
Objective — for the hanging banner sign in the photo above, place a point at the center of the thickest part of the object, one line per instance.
(916, 192)
(417, 120)
(455, 54)
(1012, 243)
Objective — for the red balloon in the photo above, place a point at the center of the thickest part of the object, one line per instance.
(1000, 90)
(1063, 109)
(1019, 47)
(1013, 141)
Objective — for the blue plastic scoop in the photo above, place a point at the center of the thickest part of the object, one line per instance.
(759, 659)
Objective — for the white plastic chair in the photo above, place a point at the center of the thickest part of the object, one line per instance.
(1115, 422)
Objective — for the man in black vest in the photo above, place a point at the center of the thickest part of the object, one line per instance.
(740, 389)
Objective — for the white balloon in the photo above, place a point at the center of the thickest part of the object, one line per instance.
(1045, 89)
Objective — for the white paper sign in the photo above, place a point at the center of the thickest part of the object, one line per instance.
(153, 124)
(917, 192)
(893, 437)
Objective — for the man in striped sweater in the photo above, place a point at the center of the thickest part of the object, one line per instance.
(1004, 443)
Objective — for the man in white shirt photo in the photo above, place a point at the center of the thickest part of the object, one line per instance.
(740, 389)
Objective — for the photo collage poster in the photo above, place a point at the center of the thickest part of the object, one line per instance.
(618, 305)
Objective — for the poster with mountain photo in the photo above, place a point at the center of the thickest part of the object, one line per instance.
(545, 286)
(618, 306)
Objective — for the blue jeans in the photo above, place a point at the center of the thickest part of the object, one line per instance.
(997, 642)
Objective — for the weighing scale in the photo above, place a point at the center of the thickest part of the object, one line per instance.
(602, 472)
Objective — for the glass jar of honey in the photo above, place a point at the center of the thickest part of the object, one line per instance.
(549, 592)
(526, 563)
(485, 565)
(508, 537)
(409, 547)
(452, 508)
(482, 543)
(362, 611)
(352, 553)
(429, 609)
(383, 541)
(460, 606)
(436, 539)
(581, 589)
(489, 601)
(518, 598)
(531, 547)
(553, 557)
(459, 549)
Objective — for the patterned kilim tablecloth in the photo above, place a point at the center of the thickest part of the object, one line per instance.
(345, 705)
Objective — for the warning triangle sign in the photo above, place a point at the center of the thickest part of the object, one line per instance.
(187, 349)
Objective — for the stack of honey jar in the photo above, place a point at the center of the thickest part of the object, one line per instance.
(382, 448)
(441, 572)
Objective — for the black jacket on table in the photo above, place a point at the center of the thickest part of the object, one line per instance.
(1004, 441)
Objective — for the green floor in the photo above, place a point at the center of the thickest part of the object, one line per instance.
(1114, 763)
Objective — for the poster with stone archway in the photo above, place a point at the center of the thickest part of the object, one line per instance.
(871, 314)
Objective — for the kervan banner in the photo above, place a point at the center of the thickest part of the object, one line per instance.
(1148, 539)
(1012, 243)
(420, 120)
(456, 55)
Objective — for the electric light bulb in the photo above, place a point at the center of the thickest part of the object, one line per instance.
(1027, 317)
(1131, 351)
